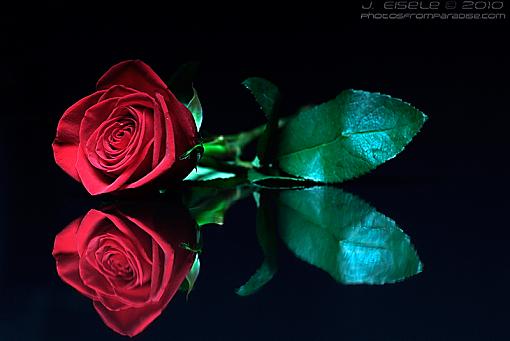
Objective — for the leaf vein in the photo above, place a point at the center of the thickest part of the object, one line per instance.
(340, 137)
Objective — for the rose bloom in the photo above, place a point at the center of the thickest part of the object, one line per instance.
(128, 133)
(129, 261)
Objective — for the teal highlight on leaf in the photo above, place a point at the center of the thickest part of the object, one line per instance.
(347, 136)
(345, 237)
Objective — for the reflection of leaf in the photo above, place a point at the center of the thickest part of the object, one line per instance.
(260, 278)
(196, 109)
(347, 136)
(209, 204)
(274, 181)
(344, 236)
(266, 235)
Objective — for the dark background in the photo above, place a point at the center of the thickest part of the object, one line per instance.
(447, 190)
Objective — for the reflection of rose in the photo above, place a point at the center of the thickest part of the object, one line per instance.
(128, 133)
(130, 263)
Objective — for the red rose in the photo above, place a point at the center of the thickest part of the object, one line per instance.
(129, 132)
(129, 264)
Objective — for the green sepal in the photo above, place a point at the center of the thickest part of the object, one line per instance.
(195, 107)
(191, 277)
(197, 151)
(195, 249)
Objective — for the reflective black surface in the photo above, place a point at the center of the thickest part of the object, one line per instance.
(447, 190)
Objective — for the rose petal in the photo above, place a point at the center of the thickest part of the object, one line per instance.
(95, 182)
(65, 145)
(170, 156)
(134, 74)
(66, 256)
(160, 137)
(94, 279)
(117, 91)
(97, 114)
(111, 290)
(110, 221)
(172, 128)
(132, 321)
(166, 241)
(130, 157)
(138, 298)
(146, 227)
(94, 223)
(185, 130)
(109, 244)
(129, 321)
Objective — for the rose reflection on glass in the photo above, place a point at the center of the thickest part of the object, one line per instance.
(128, 260)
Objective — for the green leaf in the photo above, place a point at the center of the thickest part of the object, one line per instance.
(208, 205)
(196, 109)
(268, 97)
(266, 94)
(207, 174)
(347, 137)
(268, 241)
(344, 236)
